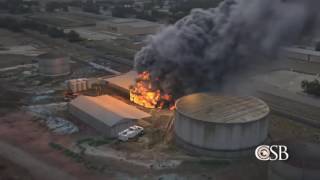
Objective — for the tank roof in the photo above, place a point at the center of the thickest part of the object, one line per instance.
(210, 107)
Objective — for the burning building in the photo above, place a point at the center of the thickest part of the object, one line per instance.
(147, 94)
(219, 125)
(141, 90)
(122, 82)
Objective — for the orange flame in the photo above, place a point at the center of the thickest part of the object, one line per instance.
(144, 94)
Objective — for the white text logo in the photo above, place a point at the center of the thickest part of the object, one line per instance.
(272, 153)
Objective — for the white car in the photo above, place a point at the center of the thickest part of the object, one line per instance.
(129, 133)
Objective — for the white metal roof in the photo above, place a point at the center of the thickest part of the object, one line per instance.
(107, 109)
(124, 81)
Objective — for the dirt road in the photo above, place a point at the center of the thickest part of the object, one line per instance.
(38, 169)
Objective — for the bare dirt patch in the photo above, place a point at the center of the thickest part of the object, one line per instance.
(283, 128)
(12, 171)
(22, 130)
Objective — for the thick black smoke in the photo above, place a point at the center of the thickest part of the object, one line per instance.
(199, 50)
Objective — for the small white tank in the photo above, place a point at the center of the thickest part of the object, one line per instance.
(53, 64)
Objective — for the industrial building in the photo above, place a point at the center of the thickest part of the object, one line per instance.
(128, 26)
(123, 82)
(53, 64)
(106, 114)
(219, 125)
(301, 54)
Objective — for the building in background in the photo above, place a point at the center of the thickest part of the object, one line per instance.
(129, 26)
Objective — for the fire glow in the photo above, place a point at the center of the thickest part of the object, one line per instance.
(145, 94)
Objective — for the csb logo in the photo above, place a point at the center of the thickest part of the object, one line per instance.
(272, 153)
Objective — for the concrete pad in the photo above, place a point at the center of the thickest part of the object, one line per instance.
(285, 80)
(282, 91)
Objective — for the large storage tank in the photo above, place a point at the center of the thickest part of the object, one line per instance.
(53, 64)
(303, 162)
(220, 125)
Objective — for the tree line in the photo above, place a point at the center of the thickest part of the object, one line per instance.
(311, 87)
(18, 6)
(179, 9)
(15, 25)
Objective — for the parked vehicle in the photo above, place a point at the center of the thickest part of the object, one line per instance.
(130, 133)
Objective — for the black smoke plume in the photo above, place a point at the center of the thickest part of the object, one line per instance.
(202, 48)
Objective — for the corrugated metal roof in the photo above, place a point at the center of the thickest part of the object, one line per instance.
(124, 81)
(222, 109)
(107, 109)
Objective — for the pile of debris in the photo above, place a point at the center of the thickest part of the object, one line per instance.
(61, 126)
(56, 124)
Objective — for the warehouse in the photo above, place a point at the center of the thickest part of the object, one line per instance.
(219, 125)
(128, 27)
(106, 114)
(123, 82)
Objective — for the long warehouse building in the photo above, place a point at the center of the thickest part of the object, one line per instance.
(106, 114)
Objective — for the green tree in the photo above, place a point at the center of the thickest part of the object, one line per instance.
(52, 6)
(317, 48)
(123, 9)
(90, 6)
(33, 25)
(311, 87)
(56, 32)
(73, 36)
(11, 24)
(17, 6)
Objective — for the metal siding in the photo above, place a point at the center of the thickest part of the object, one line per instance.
(100, 127)
(220, 136)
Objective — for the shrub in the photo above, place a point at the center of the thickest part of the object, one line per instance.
(317, 48)
(73, 36)
(56, 32)
(311, 87)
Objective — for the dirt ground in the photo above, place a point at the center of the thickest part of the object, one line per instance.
(282, 128)
(11, 171)
(21, 130)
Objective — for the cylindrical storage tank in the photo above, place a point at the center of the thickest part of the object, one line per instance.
(52, 64)
(219, 125)
(72, 84)
(303, 162)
